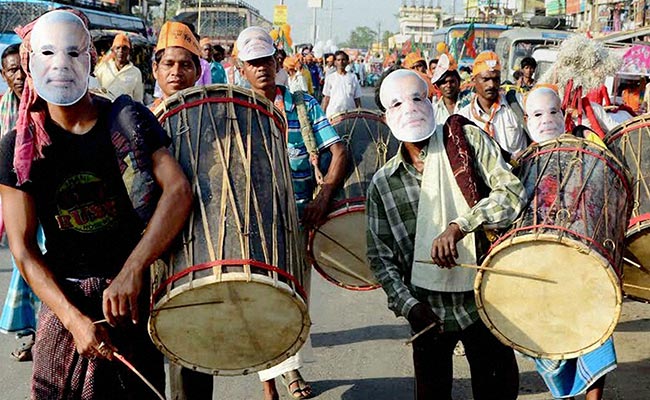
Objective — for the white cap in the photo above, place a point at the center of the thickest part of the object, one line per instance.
(441, 68)
(253, 43)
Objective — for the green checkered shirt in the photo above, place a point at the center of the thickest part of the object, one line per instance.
(392, 206)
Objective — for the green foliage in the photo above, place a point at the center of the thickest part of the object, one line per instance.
(361, 37)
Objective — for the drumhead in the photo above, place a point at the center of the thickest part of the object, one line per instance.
(337, 250)
(636, 282)
(236, 325)
(559, 320)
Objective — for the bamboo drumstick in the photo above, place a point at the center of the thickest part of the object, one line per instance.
(422, 332)
(637, 265)
(507, 272)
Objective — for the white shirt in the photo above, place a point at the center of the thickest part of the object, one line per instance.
(437, 209)
(508, 130)
(342, 90)
(297, 82)
(441, 112)
(127, 80)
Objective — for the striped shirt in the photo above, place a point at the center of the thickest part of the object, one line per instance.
(301, 169)
(392, 206)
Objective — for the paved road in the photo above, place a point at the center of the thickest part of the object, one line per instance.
(358, 353)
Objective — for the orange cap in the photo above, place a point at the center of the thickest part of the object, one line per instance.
(291, 63)
(176, 34)
(205, 41)
(411, 59)
(486, 61)
(121, 40)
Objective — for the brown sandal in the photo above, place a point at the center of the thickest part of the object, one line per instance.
(24, 352)
(302, 389)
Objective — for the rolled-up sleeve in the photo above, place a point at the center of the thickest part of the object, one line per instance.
(381, 256)
(507, 195)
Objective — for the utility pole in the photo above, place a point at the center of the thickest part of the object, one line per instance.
(379, 40)
(198, 28)
(331, 17)
(314, 29)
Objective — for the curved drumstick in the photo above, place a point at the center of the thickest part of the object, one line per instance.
(135, 371)
(106, 349)
(507, 272)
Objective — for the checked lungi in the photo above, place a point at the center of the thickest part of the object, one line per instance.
(568, 378)
(21, 304)
(61, 373)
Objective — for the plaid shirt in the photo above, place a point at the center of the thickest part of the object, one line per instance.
(392, 208)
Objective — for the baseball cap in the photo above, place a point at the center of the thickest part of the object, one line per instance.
(253, 43)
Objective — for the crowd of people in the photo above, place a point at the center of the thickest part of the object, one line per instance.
(82, 237)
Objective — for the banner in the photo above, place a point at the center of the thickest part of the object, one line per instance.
(280, 15)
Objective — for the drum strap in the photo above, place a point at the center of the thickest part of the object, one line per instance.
(128, 128)
(462, 160)
(307, 133)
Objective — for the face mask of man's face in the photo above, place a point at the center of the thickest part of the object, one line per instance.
(545, 120)
(60, 58)
(409, 113)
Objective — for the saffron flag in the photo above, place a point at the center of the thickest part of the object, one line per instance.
(468, 41)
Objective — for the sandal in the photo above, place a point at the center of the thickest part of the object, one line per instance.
(301, 390)
(23, 353)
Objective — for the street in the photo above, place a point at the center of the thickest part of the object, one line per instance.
(359, 352)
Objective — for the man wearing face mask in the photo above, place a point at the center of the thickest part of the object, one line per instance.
(419, 209)
(571, 377)
(95, 174)
(117, 74)
(489, 109)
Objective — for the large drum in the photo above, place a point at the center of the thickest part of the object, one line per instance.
(572, 232)
(337, 249)
(233, 298)
(633, 140)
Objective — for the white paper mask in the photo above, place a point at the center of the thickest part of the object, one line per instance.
(409, 113)
(544, 113)
(60, 59)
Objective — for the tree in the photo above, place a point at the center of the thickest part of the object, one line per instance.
(361, 37)
(385, 36)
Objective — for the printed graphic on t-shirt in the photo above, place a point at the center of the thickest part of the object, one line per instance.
(84, 204)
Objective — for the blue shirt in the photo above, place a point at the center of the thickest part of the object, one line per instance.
(218, 72)
(301, 169)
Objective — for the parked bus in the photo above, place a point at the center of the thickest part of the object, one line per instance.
(104, 25)
(515, 44)
(21, 12)
(485, 38)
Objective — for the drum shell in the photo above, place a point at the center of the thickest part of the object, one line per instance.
(342, 237)
(239, 260)
(631, 139)
(579, 205)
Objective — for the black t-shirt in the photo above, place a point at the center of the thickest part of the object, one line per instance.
(81, 201)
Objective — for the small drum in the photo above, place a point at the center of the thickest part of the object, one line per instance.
(572, 232)
(232, 300)
(630, 139)
(337, 249)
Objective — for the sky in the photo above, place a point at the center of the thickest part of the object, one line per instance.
(346, 15)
